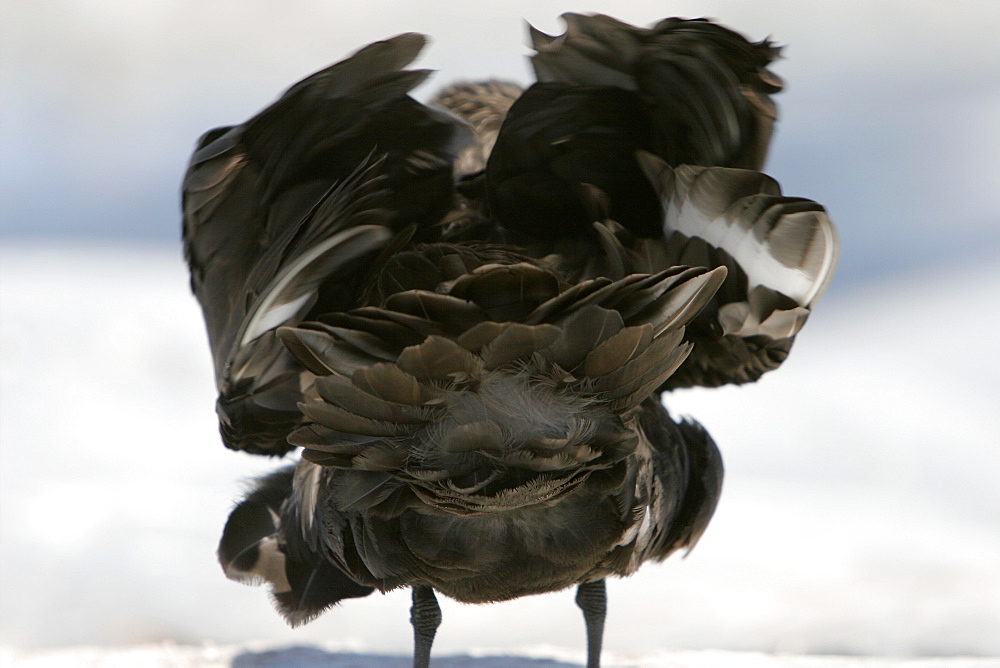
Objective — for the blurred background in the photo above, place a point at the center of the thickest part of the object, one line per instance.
(860, 514)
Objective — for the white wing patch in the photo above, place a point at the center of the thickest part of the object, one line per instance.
(787, 245)
(293, 291)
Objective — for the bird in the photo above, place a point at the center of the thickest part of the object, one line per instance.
(463, 314)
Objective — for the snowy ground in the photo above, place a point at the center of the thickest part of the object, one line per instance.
(167, 655)
(859, 517)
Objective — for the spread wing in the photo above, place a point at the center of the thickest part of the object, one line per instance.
(649, 140)
(279, 210)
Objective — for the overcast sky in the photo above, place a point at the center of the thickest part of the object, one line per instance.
(889, 118)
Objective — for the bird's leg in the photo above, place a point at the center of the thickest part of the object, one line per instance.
(425, 615)
(593, 600)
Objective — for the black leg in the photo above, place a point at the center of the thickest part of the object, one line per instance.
(425, 615)
(593, 600)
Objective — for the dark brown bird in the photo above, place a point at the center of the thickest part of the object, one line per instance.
(465, 312)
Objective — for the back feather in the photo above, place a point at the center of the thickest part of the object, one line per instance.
(490, 376)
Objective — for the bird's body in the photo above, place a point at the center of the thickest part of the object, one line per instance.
(465, 313)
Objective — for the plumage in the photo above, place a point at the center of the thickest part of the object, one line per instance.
(464, 313)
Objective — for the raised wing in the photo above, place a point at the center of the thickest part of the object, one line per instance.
(652, 138)
(279, 210)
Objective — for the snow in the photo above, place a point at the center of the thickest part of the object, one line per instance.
(167, 655)
(858, 518)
